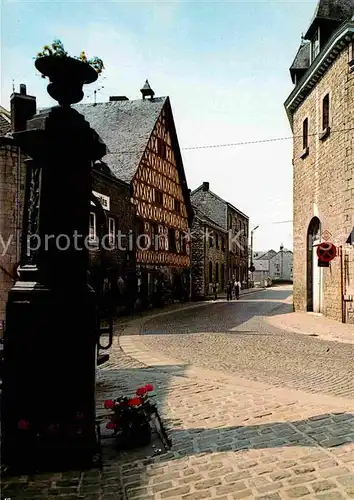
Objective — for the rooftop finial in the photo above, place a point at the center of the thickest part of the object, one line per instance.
(147, 90)
(302, 39)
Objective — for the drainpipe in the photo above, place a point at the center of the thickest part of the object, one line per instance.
(17, 204)
(342, 284)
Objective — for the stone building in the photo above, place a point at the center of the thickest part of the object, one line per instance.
(321, 114)
(232, 220)
(12, 188)
(209, 255)
(275, 265)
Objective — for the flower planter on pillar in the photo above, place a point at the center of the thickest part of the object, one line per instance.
(48, 396)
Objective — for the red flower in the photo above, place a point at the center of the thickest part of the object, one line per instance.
(141, 391)
(23, 425)
(111, 425)
(149, 387)
(109, 404)
(134, 402)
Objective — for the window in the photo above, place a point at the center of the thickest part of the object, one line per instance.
(315, 46)
(325, 112)
(223, 244)
(217, 272)
(111, 230)
(171, 240)
(161, 148)
(217, 241)
(92, 228)
(222, 276)
(305, 133)
(158, 197)
(210, 272)
(177, 206)
(230, 221)
(210, 238)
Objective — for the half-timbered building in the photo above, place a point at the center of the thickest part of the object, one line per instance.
(144, 153)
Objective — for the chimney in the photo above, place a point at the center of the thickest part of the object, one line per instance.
(205, 186)
(23, 108)
(118, 98)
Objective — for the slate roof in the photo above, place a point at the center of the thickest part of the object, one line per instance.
(198, 213)
(335, 10)
(331, 10)
(125, 127)
(5, 121)
(226, 203)
(302, 58)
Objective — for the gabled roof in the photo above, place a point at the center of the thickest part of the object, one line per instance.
(125, 127)
(199, 214)
(267, 256)
(220, 199)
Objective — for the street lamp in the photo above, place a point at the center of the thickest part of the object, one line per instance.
(251, 257)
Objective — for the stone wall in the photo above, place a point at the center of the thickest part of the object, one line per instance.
(238, 227)
(198, 259)
(324, 180)
(209, 258)
(12, 183)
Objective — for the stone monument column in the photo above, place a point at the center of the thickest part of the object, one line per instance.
(48, 397)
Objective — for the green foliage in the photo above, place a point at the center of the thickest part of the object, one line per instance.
(57, 50)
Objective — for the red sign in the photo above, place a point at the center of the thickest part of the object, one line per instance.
(326, 252)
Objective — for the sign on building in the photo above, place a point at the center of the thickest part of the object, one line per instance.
(105, 200)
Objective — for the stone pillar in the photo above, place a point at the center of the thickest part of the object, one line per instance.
(48, 400)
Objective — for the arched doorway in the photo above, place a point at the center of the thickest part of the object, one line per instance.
(313, 271)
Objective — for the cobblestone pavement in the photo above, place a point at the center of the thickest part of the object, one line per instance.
(232, 438)
(236, 338)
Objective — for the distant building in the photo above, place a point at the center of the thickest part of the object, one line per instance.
(320, 112)
(232, 220)
(275, 265)
(209, 255)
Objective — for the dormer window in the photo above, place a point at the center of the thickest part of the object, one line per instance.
(315, 45)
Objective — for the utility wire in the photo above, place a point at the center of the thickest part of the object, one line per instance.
(243, 143)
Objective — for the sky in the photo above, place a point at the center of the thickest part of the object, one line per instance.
(224, 65)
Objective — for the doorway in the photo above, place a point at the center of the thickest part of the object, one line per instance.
(314, 275)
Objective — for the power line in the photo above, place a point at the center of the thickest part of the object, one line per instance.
(245, 143)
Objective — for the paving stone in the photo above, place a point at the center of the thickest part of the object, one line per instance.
(323, 486)
(298, 491)
(175, 492)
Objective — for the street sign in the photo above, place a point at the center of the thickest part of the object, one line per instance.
(322, 263)
(326, 251)
(326, 235)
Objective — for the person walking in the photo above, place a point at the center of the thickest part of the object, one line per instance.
(237, 289)
(215, 291)
(229, 290)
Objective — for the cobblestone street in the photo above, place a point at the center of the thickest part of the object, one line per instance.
(253, 411)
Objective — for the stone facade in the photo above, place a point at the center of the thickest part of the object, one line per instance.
(12, 182)
(209, 256)
(323, 183)
(232, 221)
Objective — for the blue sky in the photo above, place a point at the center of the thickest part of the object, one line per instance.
(223, 64)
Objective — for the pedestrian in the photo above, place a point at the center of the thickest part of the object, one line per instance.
(237, 289)
(215, 291)
(229, 290)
